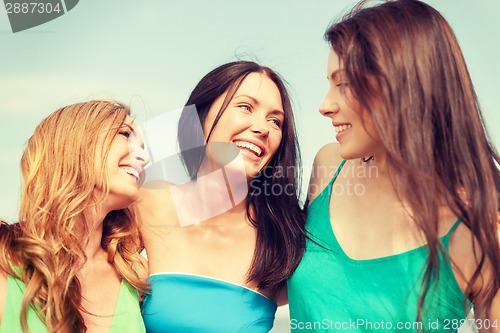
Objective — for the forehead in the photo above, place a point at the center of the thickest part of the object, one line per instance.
(262, 88)
(130, 122)
(334, 63)
(255, 82)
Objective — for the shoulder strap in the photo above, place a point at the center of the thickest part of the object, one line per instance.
(337, 173)
(326, 191)
(446, 238)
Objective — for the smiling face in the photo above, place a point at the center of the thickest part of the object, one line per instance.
(252, 121)
(355, 131)
(125, 165)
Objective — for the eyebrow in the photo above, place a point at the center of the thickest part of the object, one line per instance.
(128, 125)
(335, 73)
(278, 112)
(256, 101)
(134, 131)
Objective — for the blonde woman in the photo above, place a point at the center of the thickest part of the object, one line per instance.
(72, 263)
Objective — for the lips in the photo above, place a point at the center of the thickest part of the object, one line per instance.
(341, 127)
(252, 147)
(132, 170)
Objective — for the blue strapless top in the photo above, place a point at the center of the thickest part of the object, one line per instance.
(192, 303)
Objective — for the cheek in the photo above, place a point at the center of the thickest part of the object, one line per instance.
(276, 142)
(369, 126)
(207, 126)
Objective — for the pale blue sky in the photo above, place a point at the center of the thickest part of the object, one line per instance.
(152, 53)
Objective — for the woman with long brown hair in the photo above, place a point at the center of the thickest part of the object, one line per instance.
(72, 263)
(222, 243)
(404, 210)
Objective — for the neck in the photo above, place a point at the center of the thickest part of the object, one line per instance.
(376, 163)
(218, 189)
(233, 219)
(373, 174)
(94, 219)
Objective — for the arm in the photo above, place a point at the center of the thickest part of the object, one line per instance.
(155, 207)
(6, 236)
(489, 323)
(492, 322)
(495, 311)
(155, 211)
(157, 220)
(3, 292)
(494, 317)
(462, 247)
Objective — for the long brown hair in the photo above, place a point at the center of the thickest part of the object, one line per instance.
(60, 178)
(279, 220)
(405, 68)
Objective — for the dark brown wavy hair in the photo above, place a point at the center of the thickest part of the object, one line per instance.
(405, 67)
(279, 220)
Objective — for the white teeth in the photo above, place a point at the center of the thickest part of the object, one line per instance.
(131, 171)
(248, 145)
(342, 128)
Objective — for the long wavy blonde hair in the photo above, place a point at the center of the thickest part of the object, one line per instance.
(60, 182)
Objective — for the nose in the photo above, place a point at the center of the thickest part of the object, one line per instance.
(139, 154)
(260, 126)
(329, 106)
(143, 157)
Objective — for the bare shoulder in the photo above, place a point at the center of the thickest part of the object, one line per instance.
(155, 204)
(152, 193)
(3, 292)
(328, 155)
(465, 253)
(326, 162)
(462, 254)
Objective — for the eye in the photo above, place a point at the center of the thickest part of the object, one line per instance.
(277, 122)
(342, 84)
(125, 133)
(245, 107)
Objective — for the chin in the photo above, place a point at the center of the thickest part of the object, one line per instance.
(125, 200)
(132, 198)
(348, 156)
(351, 154)
(252, 172)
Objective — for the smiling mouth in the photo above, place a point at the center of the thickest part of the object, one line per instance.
(131, 171)
(342, 128)
(250, 147)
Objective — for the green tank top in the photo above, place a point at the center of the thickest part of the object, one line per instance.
(331, 292)
(127, 316)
